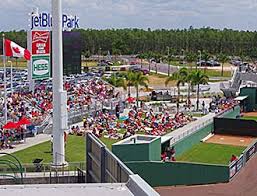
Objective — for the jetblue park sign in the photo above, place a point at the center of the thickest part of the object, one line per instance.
(44, 20)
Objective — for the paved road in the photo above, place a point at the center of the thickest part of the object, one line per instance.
(161, 68)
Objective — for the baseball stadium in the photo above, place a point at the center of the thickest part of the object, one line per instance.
(213, 154)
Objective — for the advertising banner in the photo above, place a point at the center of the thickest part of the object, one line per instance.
(251, 152)
(232, 170)
(239, 163)
(40, 67)
(40, 42)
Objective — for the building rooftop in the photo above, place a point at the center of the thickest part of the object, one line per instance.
(107, 189)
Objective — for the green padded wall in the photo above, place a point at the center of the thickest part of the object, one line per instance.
(251, 92)
(233, 113)
(138, 152)
(178, 173)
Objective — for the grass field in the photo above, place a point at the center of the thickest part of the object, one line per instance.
(159, 80)
(210, 153)
(75, 150)
(249, 117)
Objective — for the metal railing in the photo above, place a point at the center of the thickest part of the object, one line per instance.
(198, 127)
(102, 165)
(191, 131)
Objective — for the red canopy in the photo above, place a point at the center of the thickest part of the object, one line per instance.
(10, 125)
(24, 121)
(131, 99)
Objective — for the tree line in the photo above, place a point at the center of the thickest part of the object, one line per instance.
(161, 41)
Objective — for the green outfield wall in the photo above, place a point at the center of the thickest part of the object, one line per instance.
(179, 173)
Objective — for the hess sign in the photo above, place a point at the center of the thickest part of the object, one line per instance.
(40, 42)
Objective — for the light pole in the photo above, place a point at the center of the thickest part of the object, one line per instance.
(59, 95)
(5, 90)
(200, 59)
(168, 50)
(11, 77)
(183, 56)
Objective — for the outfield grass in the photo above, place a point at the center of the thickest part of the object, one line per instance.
(75, 150)
(249, 117)
(211, 153)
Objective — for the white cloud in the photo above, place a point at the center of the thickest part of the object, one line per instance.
(238, 14)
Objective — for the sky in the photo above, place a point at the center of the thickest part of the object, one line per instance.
(154, 14)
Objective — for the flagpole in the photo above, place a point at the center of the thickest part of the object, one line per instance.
(5, 93)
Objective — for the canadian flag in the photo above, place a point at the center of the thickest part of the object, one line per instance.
(14, 50)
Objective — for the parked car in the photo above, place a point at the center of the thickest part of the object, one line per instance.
(202, 88)
(210, 63)
(139, 69)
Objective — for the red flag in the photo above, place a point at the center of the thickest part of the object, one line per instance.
(14, 50)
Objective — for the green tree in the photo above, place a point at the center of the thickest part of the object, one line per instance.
(190, 58)
(198, 77)
(180, 77)
(223, 59)
(117, 81)
(130, 78)
(139, 80)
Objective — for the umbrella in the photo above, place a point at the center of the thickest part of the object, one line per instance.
(124, 118)
(131, 99)
(10, 125)
(24, 121)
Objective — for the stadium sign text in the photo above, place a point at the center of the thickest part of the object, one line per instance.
(44, 20)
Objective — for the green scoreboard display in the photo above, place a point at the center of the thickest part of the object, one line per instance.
(71, 53)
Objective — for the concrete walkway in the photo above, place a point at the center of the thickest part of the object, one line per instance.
(31, 141)
(188, 129)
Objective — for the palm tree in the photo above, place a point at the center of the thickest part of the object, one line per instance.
(117, 81)
(198, 77)
(139, 80)
(189, 79)
(223, 59)
(180, 77)
(129, 77)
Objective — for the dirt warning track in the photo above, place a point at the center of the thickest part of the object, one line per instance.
(231, 140)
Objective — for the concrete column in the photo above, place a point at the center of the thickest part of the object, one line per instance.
(59, 95)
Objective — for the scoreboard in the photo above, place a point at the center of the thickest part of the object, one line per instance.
(71, 53)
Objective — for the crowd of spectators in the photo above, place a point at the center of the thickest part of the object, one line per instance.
(38, 104)
(219, 104)
(137, 121)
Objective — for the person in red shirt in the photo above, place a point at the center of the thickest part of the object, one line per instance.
(233, 158)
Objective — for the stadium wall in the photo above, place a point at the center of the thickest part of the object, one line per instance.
(239, 127)
(232, 113)
(179, 173)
